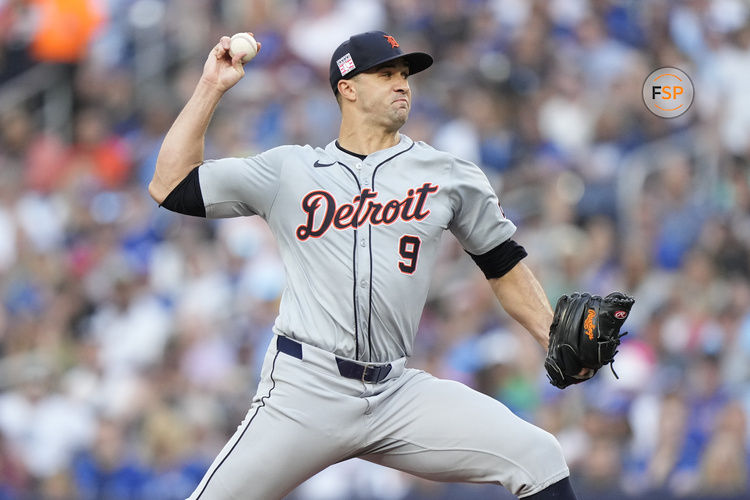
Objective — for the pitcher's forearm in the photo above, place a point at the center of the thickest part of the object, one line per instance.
(524, 299)
(182, 149)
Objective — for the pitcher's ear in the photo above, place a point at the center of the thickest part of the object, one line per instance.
(347, 89)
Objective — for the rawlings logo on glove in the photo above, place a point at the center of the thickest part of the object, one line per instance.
(585, 333)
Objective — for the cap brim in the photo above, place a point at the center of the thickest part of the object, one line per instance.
(417, 61)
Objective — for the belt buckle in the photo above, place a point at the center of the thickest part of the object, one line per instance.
(364, 372)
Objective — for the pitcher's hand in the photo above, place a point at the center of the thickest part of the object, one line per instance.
(222, 70)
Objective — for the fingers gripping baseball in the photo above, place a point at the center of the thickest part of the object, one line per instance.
(222, 68)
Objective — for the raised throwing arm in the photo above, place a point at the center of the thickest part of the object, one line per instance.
(182, 149)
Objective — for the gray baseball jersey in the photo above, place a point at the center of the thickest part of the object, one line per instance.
(369, 227)
(358, 238)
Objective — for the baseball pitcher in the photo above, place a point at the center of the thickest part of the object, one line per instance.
(357, 224)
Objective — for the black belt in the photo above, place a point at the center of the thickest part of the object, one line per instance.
(349, 369)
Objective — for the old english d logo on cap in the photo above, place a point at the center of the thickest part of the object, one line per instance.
(391, 40)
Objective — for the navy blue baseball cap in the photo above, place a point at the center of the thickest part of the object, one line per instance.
(367, 50)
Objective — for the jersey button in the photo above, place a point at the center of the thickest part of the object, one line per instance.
(365, 182)
(363, 283)
(362, 243)
(358, 165)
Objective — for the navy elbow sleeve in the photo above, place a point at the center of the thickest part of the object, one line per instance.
(187, 198)
(501, 259)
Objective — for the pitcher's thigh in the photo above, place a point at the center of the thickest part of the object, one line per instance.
(283, 440)
(445, 431)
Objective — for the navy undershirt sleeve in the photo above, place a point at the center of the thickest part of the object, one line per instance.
(187, 198)
(501, 259)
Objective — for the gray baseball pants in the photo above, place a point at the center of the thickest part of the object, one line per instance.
(305, 416)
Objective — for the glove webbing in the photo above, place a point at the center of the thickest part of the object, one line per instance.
(612, 360)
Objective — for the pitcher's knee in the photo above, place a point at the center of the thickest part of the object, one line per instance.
(543, 464)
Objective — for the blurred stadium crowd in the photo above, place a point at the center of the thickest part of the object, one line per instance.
(131, 338)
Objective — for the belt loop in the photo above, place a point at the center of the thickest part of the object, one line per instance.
(384, 371)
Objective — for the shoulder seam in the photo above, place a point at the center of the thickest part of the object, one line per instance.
(451, 176)
(278, 186)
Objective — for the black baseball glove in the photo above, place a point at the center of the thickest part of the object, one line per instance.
(585, 333)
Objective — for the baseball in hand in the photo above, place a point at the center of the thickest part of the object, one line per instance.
(243, 43)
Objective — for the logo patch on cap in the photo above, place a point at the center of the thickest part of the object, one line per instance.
(391, 40)
(346, 64)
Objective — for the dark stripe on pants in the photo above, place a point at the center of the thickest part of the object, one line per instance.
(262, 404)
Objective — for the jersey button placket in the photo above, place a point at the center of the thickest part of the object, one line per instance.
(364, 174)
